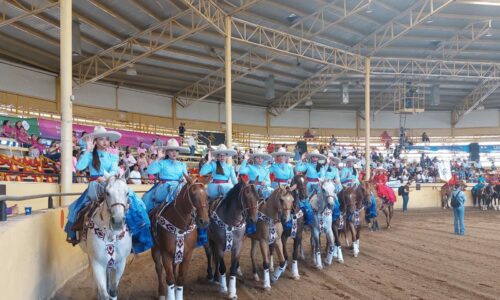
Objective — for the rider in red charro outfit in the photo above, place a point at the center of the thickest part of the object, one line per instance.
(383, 191)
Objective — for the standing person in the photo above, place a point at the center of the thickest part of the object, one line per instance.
(458, 204)
(141, 149)
(21, 133)
(404, 191)
(130, 160)
(182, 130)
(158, 142)
(81, 142)
(297, 153)
(223, 175)
(192, 144)
(270, 148)
(135, 175)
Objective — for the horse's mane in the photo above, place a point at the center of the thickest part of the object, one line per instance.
(233, 192)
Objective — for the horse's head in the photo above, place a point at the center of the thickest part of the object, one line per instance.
(328, 192)
(116, 201)
(366, 189)
(300, 181)
(249, 198)
(199, 199)
(286, 203)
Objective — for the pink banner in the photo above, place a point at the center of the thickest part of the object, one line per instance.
(50, 129)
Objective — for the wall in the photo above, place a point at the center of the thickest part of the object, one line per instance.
(428, 196)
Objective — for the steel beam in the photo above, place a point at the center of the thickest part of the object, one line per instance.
(34, 8)
(311, 25)
(476, 97)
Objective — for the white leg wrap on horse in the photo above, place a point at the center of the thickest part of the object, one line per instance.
(355, 248)
(232, 287)
(319, 264)
(179, 293)
(223, 284)
(267, 279)
(329, 256)
(171, 292)
(340, 257)
(295, 270)
(278, 272)
(335, 252)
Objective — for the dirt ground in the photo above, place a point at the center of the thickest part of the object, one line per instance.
(418, 258)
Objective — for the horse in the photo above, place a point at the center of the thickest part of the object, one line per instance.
(106, 238)
(272, 213)
(174, 231)
(227, 231)
(496, 197)
(322, 204)
(352, 201)
(297, 227)
(485, 196)
(445, 192)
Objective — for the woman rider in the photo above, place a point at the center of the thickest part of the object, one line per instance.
(102, 164)
(281, 170)
(258, 173)
(348, 174)
(223, 175)
(171, 173)
(331, 172)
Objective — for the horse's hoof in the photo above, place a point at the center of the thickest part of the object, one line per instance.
(296, 277)
(340, 261)
(223, 291)
(232, 296)
(239, 272)
(319, 267)
(161, 298)
(256, 277)
(267, 288)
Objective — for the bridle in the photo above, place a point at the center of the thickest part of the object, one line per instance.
(245, 209)
(194, 208)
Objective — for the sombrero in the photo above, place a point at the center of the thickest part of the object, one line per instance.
(315, 153)
(222, 149)
(172, 144)
(332, 157)
(101, 132)
(380, 169)
(261, 153)
(351, 158)
(282, 152)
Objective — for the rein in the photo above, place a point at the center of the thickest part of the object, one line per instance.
(193, 207)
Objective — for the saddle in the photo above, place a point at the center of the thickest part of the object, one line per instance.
(85, 213)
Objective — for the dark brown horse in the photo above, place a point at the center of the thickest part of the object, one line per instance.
(352, 200)
(174, 230)
(226, 232)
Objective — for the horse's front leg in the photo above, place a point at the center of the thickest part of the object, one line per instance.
(337, 251)
(99, 272)
(183, 270)
(220, 266)
(297, 241)
(208, 253)
(316, 249)
(156, 254)
(282, 267)
(234, 270)
(355, 242)
(391, 213)
(115, 280)
(253, 252)
(168, 264)
(330, 245)
(264, 249)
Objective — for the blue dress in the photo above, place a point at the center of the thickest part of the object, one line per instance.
(137, 218)
(371, 209)
(348, 176)
(283, 174)
(332, 173)
(258, 172)
(171, 173)
(221, 183)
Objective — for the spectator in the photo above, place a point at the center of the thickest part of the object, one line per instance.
(22, 134)
(7, 130)
(130, 160)
(54, 151)
(122, 167)
(297, 153)
(343, 153)
(113, 149)
(404, 191)
(192, 144)
(458, 197)
(74, 161)
(182, 130)
(142, 162)
(270, 148)
(153, 149)
(74, 139)
(425, 138)
(81, 143)
(135, 175)
(333, 141)
(141, 149)
(158, 142)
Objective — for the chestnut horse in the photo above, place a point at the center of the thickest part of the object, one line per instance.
(226, 232)
(174, 231)
(445, 191)
(272, 213)
(352, 200)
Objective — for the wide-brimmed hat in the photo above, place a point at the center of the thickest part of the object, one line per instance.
(222, 149)
(332, 157)
(261, 153)
(380, 169)
(172, 144)
(101, 132)
(282, 152)
(351, 158)
(315, 153)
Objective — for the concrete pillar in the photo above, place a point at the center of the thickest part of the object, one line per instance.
(229, 112)
(66, 76)
(367, 117)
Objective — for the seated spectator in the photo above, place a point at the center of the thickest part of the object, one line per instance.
(113, 149)
(21, 134)
(7, 130)
(135, 175)
(130, 160)
(425, 138)
(141, 149)
(54, 151)
(122, 167)
(142, 162)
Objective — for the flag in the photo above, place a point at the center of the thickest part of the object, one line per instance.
(444, 169)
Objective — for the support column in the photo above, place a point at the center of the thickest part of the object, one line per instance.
(66, 76)
(174, 113)
(357, 124)
(367, 117)
(268, 123)
(229, 112)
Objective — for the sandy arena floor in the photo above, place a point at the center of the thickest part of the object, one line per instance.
(418, 258)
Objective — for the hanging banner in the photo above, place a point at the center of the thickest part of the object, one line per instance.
(33, 123)
(444, 169)
(51, 129)
(212, 138)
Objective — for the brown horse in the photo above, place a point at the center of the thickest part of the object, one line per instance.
(227, 231)
(352, 201)
(445, 192)
(174, 230)
(272, 213)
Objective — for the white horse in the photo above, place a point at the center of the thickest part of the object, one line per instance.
(322, 204)
(106, 238)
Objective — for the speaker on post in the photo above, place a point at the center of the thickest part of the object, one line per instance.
(269, 94)
(474, 152)
(435, 95)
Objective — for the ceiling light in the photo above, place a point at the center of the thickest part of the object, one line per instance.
(481, 107)
(369, 9)
(131, 71)
(292, 18)
(429, 21)
(325, 90)
(309, 102)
